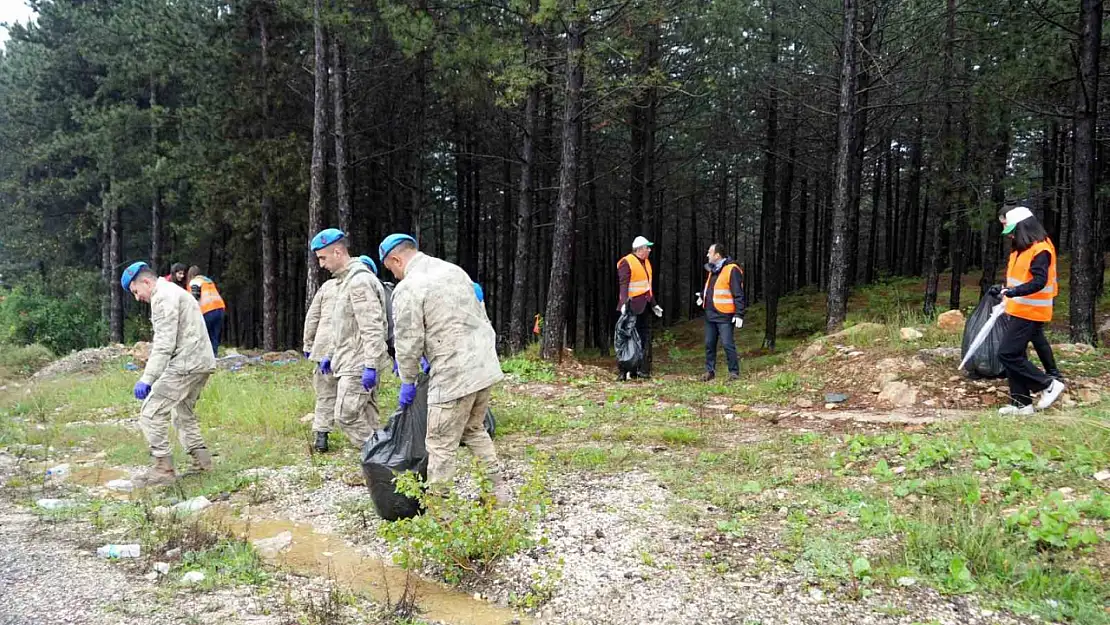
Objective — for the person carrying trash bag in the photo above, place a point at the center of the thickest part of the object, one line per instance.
(436, 315)
(1031, 286)
(180, 363)
(358, 330)
(634, 290)
(317, 345)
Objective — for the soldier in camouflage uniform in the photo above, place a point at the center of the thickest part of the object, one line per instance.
(317, 346)
(180, 362)
(358, 330)
(436, 314)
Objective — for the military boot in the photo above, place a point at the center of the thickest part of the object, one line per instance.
(202, 461)
(321, 445)
(159, 474)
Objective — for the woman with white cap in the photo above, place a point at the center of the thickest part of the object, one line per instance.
(1031, 286)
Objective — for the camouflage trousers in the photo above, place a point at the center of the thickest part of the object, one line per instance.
(454, 422)
(173, 397)
(356, 410)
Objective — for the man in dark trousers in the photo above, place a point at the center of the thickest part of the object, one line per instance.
(723, 301)
(634, 278)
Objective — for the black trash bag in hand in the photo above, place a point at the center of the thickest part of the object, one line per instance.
(399, 447)
(626, 341)
(985, 362)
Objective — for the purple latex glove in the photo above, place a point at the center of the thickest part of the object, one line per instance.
(325, 365)
(306, 354)
(425, 366)
(408, 395)
(395, 367)
(142, 389)
(369, 378)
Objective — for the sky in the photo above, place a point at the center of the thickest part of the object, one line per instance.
(13, 11)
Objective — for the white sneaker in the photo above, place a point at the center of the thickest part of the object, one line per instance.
(1050, 394)
(1022, 411)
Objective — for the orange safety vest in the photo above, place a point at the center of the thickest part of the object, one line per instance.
(640, 282)
(209, 297)
(722, 290)
(1036, 306)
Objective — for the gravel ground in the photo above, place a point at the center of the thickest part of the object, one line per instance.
(622, 558)
(625, 561)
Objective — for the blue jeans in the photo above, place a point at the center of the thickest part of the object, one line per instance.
(724, 331)
(214, 321)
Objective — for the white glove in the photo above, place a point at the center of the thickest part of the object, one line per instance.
(657, 310)
(700, 301)
(738, 322)
(624, 308)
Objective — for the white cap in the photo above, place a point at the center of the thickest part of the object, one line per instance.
(639, 242)
(1014, 216)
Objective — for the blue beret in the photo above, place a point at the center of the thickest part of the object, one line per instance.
(369, 262)
(391, 242)
(479, 293)
(129, 274)
(325, 238)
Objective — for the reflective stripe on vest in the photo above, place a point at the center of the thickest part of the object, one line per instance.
(1035, 306)
(209, 296)
(723, 301)
(640, 281)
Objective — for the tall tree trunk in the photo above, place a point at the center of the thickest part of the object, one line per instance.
(947, 182)
(562, 243)
(115, 259)
(769, 263)
(1049, 208)
(803, 212)
(914, 224)
(876, 198)
(1085, 243)
(961, 231)
(890, 226)
(518, 333)
(106, 258)
(269, 215)
(156, 189)
(837, 304)
(339, 113)
(319, 138)
(992, 240)
(855, 174)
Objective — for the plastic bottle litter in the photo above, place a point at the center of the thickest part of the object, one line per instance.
(119, 551)
(55, 504)
(196, 504)
(124, 486)
(61, 470)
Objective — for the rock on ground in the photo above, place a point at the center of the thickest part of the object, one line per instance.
(951, 321)
(84, 360)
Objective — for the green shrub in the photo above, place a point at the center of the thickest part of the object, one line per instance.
(465, 537)
(60, 311)
(24, 359)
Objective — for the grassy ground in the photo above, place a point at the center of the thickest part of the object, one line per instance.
(1008, 510)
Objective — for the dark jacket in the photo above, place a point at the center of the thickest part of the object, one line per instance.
(735, 283)
(639, 303)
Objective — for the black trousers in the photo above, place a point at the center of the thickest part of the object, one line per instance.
(1025, 378)
(643, 328)
(1044, 352)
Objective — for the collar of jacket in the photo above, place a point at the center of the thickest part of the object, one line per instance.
(416, 259)
(354, 266)
(717, 266)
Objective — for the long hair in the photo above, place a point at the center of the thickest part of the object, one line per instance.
(1027, 233)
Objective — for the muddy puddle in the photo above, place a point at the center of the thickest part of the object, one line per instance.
(95, 476)
(327, 555)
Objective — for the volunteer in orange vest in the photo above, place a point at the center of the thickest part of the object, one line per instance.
(1030, 289)
(722, 297)
(635, 291)
(211, 305)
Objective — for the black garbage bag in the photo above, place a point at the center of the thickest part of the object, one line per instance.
(399, 447)
(626, 341)
(984, 363)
